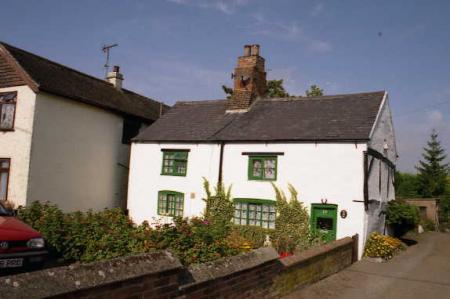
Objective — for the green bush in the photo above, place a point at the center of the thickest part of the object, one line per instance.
(219, 208)
(428, 225)
(48, 219)
(102, 235)
(86, 236)
(193, 241)
(256, 235)
(402, 216)
(292, 229)
(92, 236)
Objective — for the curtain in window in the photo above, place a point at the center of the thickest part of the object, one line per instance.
(7, 116)
(4, 172)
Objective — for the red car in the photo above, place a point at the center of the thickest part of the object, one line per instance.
(20, 245)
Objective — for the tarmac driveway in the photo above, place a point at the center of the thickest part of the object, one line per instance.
(422, 271)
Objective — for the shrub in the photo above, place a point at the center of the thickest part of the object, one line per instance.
(86, 236)
(193, 241)
(428, 225)
(102, 235)
(402, 216)
(382, 246)
(255, 235)
(48, 219)
(219, 207)
(292, 230)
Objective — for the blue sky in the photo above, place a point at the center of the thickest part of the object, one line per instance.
(186, 49)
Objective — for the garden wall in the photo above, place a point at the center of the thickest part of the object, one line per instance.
(256, 274)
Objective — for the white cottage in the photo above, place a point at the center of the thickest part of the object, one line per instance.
(338, 151)
(64, 135)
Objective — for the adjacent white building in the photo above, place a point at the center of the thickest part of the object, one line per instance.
(338, 151)
(64, 135)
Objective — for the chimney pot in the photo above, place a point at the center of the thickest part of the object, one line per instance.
(247, 50)
(255, 50)
(115, 77)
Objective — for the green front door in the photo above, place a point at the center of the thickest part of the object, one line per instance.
(324, 220)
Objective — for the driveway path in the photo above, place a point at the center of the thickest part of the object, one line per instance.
(422, 271)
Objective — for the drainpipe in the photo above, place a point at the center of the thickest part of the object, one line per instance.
(366, 182)
(222, 145)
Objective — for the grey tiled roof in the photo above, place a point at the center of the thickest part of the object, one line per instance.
(340, 117)
(61, 80)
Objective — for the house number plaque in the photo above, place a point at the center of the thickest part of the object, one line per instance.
(343, 214)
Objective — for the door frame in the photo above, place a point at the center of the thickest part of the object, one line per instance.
(333, 216)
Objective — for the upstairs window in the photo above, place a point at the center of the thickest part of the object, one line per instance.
(4, 177)
(175, 162)
(262, 168)
(170, 203)
(7, 110)
(257, 212)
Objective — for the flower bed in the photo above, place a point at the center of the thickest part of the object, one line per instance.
(381, 246)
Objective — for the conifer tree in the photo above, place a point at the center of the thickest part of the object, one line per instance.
(432, 171)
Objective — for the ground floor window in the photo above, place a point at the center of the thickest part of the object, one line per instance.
(258, 212)
(170, 203)
(4, 178)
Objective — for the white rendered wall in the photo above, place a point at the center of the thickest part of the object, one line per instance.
(145, 179)
(318, 171)
(77, 155)
(16, 144)
(381, 188)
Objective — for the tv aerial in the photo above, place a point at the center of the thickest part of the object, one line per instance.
(106, 49)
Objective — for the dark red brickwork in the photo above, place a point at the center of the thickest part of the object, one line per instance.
(256, 274)
(249, 79)
(9, 76)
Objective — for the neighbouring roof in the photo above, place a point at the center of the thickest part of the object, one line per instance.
(348, 117)
(19, 67)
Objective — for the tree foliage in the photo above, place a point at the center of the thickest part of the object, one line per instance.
(314, 91)
(406, 185)
(275, 89)
(433, 172)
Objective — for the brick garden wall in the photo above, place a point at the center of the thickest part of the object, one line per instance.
(256, 274)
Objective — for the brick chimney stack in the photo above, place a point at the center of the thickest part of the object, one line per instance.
(249, 80)
(115, 77)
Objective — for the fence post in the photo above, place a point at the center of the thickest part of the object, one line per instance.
(355, 248)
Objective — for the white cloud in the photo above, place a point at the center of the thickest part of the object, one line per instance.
(435, 118)
(316, 9)
(319, 46)
(170, 79)
(292, 32)
(225, 6)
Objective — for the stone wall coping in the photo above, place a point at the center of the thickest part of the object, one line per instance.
(231, 265)
(61, 280)
(302, 256)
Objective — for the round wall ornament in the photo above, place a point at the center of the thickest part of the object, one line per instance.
(343, 214)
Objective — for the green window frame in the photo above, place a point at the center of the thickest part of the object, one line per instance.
(174, 162)
(170, 203)
(256, 212)
(262, 168)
